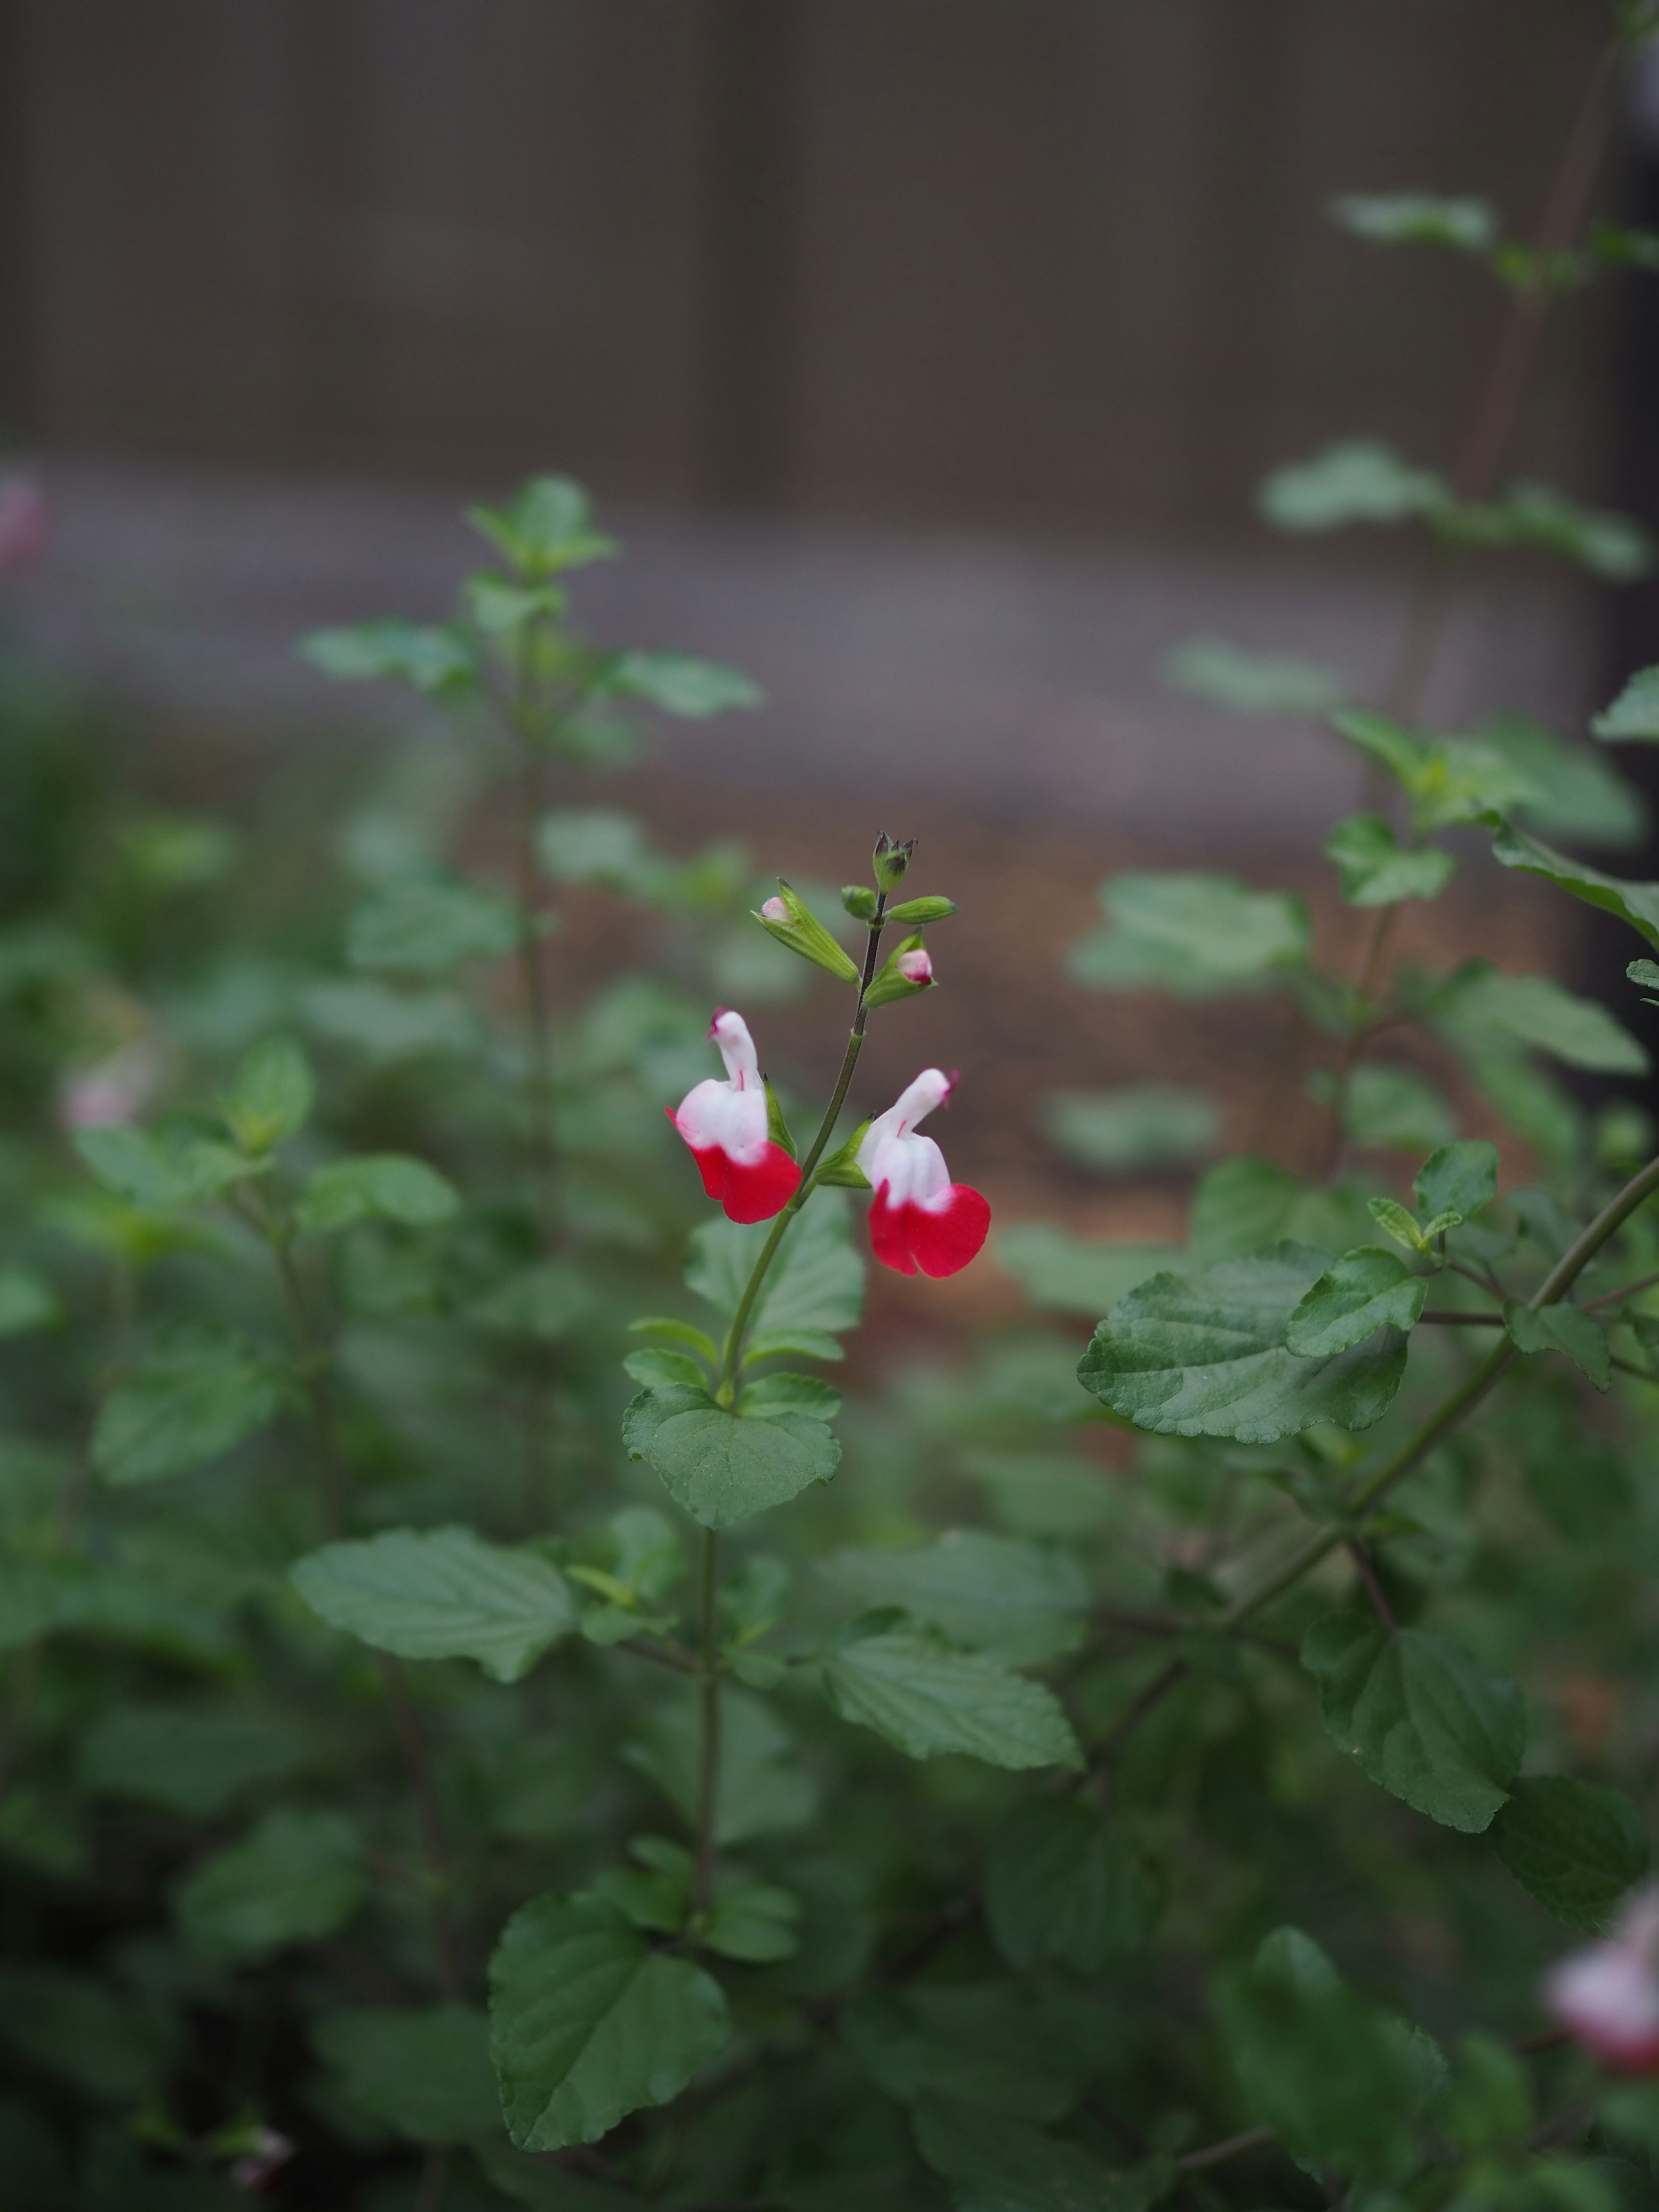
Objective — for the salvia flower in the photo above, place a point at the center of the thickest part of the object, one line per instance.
(915, 966)
(918, 1217)
(1606, 1995)
(774, 909)
(725, 1125)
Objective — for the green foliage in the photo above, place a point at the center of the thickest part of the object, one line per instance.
(926, 1698)
(1252, 683)
(1208, 1355)
(1578, 1847)
(1470, 225)
(425, 2074)
(377, 1187)
(296, 1877)
(441, 1594)
(1377, 871)
(1144, 1126)
(1564, 1328)
(722, 1466)
(588, 2023)
(990, 1593)
(1362, 1292)
(197, 1392)
(1636, 904)
(1197, 935)
(423, 925)
(1065, 1886)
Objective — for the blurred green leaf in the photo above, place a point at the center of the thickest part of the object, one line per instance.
(1358, 480)
(425, 925)
(1469, 226)
(1062, 1273)
(1636, 904)
(441, 1594)
(1145, 1125)
(1197, 935)
(1634, 713)
(816, 1281)
(1481, 1005)
(195, 1392)
(1252, 683)
(1566, 1329)
(374, 1186)
(1066, 1887)
(429, 658)
(295, 1877)
(426, 2073)
(678, 684)
(926, 1699)
(192, 1763)
(1019, 1603)
(270, 1095)
(1377, 871)
(545, 528)
(1578, 1847)
(1458, 1178)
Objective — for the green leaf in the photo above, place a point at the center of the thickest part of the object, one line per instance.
(27, 1302)
(270, 1095)
(1634, 714)
(1576, 1846)
(374, 1186)
(1459, 1178)
(792, 1343)
(723, 1466)
(295, 1877)
(656, 1364)
(1065, 1886)
(1018, 1601)
(1580, 795)
(1206, 1355)
(1449, 781)
(1252, 683)
(1479, 1006)
(597, 846)
(1366, 1289)
(109, 2047)
(1376, 870)
(681, 1332)
(1424, 1719)
(426, 2074)
(1646, 972)
(1062, 1274)
(1537, 518)
(1243, 1203)
(172, 1168)
(678, 684)
(1636, 904)
(1344, 2086)
(995, 2163)
(1146, 1125)
(816, 1281)
(543, 529)
(192, 1763)
(1359, 480)
(1470, 225)
(587, 2024)
(1562, 1327)
(926, 1699)
(762, 1789)
(198, 1391)
(1395, 1109)
(424, 925)
(388, 1024)
(916, 912)
(441, 1594)
(431, 657)
(1195, 934)
(768, 1395)
(754, 1920)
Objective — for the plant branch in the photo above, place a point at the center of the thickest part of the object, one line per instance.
(1448, 1320)
(532, 975)
(1217, 2154)
(1625, 1290)
(814, 1153)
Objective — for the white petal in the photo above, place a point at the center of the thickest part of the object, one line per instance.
(730, 1033)
(714, 1114)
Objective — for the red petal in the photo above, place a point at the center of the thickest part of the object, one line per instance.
(940, 1242)
(752, 1193)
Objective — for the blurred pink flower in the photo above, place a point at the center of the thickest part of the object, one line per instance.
(1606, 1994)
(113, 1091)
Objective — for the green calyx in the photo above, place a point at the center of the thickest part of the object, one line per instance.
(891, 983)
(802, 932)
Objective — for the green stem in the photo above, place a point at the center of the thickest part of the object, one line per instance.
(1462, 1401)
(708, 1693)
(804, 1188)
(532, 977)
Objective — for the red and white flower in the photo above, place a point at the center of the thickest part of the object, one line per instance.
(918, 1217)
(915, 966)
(1606, 1995)
(726, 1126)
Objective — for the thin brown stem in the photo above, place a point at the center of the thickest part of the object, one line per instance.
(1625, 1290)
(1374, 1591)
(1445, 1319)
(1217, 2154)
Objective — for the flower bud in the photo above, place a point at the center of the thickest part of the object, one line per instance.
(922, 909)
(859, 901)
(890, 859)
(909, 969)
(799, 929)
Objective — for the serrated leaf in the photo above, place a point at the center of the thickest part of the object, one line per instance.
(926, 1699)
(430, 658)
(1252, 683)
(1376, 870)
(754, 1920)
(197, 1392)
(1358, 480)
(1480, 1005)
(1206, 1355)
(374, 1186)
(424, 2074)
(425, 924)
(441, 1594)
(173, 1167)
(792, 1343)
(768, 1395)
(1062, 1273)
(1365, 1291)
(655, 1363)
(587, 2024)
(1578, 1847)
(1017, 1601)
(270, 1095)
(1468, 225)
(1458, 1178)
(1398, 1222)
(1424, 1719)
(1145, 1125)
(1637, 903)
(1195, 934)
(296, 1877)
(985, 2043)
(680, 684)
(816, 1281)
(1566, 1329)
(1066, 1887)
(721, 1466)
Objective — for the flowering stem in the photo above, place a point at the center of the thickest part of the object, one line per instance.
(804, 1188)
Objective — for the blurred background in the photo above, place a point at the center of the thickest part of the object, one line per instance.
(926, 354)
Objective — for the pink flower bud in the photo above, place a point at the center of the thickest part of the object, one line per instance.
(775, 910)
(113, 1092)
(270, 2152)
(915, 966)
(24, 521)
